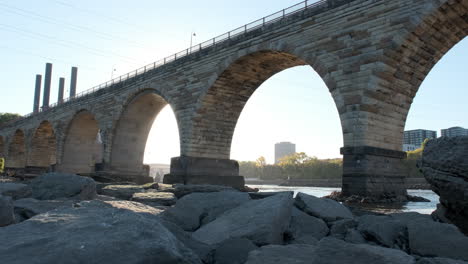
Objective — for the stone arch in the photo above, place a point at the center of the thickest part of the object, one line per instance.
(408, 62)
(220, 107)
(16, 151)
(43, 147)
(131, 132)
(79, 154)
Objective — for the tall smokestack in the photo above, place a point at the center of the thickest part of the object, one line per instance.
(61, 89)
(74, 75)
(37, 93)
(47, 80)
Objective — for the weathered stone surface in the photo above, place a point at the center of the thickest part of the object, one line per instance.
(433, 239)
(261, 195)
(15, 190)
(331, 250)
(204, 251)
(354, 236)
(340, 228)
(234, 251)
(196, 209)
(445, 166)
(181, 190)
(440, 261)
(52, 186)
(262, 221)
(326, 209)
(275, 254)
(7, 215)
(29, 207)
(124, 192)
(384, 230)
(155, 198)
(93, 232)
(304, 225)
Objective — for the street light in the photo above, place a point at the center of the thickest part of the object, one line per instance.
(191, 38)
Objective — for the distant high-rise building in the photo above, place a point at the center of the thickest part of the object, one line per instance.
(284, 149)
(416, 137)
(454, 131)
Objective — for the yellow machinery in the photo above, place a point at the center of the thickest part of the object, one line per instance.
(2, 165)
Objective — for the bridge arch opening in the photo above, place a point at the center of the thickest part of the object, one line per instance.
(42, 152)
(225, 100)
(17, 151)
(81, 145)
(131, 144)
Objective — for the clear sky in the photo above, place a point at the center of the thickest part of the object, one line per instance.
(99, 36)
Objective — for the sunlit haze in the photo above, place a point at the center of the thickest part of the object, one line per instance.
(109, 38)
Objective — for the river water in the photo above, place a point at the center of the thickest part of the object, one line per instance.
(420, 207)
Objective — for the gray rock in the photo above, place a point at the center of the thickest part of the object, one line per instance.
(304, 240)
(154, 198)
(275, 254)
(124, 192)
(383, 229)
(262, 221)
(7, 216)
(408, 217)
(354, 236)
(51, 186)
(440, 261)
(433, 239)
(304, 225)
(93, 232)
(181, 190)
(233, 251)
(203, 250)
(339, 228)
(196, 209)
(15, 190)
(261, 195)
(331, 250)
(444, 164)
(29, 207)
(326, 209)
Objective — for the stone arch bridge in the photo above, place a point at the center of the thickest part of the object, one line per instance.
(372, 55)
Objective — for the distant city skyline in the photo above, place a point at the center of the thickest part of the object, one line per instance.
(109, 38)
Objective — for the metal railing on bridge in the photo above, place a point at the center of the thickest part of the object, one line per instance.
(196, 48)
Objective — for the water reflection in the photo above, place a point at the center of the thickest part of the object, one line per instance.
(420, 207)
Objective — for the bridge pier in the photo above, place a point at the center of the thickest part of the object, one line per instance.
(196, 170)
(373, 172)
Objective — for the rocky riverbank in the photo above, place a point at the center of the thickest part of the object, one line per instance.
(59, 218)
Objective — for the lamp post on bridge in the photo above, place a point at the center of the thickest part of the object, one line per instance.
(193, 34)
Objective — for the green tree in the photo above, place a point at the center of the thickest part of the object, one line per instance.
(6, 117)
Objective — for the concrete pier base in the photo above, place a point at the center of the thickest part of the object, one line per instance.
(195, 170)
(373, 172)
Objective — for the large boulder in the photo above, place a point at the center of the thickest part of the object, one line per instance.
(180, 190)
(51, 186)
(384, 230)
(29, 207)
(303, 226)
(324, 208)
(429, 238)
(155, 198)
(331, 250)
(440, 261)
(445, 166)
(7, 215)
(93, 232)
(233, 251)
(196, 209)
(262, 221)
(15, 190)
(276, 254)
(121, 191)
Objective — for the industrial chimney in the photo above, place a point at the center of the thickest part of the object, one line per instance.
(47, 80)
(74, 75)
(61, 89)
(37, 93)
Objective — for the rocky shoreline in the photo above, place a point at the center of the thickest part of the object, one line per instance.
(62, 218)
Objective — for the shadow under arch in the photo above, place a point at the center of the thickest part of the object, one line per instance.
(16, 157)
(220, 107)
(81, 144)
(43, 149)
(131, 133)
